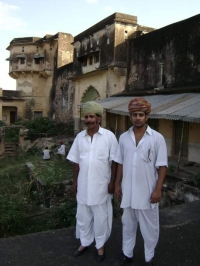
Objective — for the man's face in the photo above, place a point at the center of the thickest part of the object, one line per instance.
(92, 120)
(138, 119)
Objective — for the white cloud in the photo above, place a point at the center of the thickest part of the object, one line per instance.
(8, 19)
(92, 1)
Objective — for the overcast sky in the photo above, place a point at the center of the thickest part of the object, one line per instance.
(27, 18)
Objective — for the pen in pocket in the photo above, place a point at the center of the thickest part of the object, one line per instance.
(149, 153)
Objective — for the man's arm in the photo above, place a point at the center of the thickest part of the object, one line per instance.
(157, 193)
(75, 176)
(111, 186)
(118, 189)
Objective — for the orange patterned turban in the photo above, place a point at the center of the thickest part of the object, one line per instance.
(139, 104)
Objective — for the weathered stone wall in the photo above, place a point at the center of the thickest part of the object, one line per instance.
(62, 94)
(175, 48)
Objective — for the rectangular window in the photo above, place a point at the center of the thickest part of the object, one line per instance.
(22, 61)
(178, 125)
(38, 114)
(13, 116)
(85, 61)
(96, 58)
(90, 60)
(37, 61)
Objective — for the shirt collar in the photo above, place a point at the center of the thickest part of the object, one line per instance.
(100, 131)
(148, 130)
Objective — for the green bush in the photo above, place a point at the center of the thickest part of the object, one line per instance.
(11, 215)
(2, 123)
(41, 126)
(12, 134)
(33, 151)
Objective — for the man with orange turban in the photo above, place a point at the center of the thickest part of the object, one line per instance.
(142, 165)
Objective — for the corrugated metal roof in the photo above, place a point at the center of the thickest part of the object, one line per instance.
(185, 106)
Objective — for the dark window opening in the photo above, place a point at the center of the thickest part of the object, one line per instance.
(96, 58)
(23, 49)
(50, 47)
(37, 61)
(90, 60)
(85, 61)
(13, 116)
(22, 61)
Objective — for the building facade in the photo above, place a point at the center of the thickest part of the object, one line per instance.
(164, 67)
(32, 62)
(99, 66)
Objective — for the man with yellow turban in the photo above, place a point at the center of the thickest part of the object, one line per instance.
(92, 153)
(142, 164)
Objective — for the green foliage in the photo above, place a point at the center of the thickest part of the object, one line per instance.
(60, 216)
(11, 134)
(33, 151)
(14, 193)
(49, 174)
(65, 214)
(2, 123)
(171, 168)
(37, 127)
(41, 126)
(21, 200)
(11, 214)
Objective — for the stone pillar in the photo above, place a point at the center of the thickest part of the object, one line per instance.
(21, 137)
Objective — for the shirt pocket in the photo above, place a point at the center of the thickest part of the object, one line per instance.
(148, 154)
(102, 153)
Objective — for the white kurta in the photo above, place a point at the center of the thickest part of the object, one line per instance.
(94, 159)
(140, 164)
(46, 154)
(61, 150)
(94, 210)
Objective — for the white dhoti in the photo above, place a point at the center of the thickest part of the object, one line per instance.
(149, 227)
(94, 222)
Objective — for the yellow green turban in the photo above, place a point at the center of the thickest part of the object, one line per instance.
(92, 108)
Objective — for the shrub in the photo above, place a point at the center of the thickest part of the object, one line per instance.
(2, 123)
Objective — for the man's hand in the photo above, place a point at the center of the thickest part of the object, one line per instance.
(111, 187)
(156, 196)
(118, 191)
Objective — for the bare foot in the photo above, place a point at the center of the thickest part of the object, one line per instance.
(81, 248)
(101, 251)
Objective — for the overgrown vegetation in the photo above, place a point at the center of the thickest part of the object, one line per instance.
(22, 208)
(44, 126)
(12, 134)
(2, 123)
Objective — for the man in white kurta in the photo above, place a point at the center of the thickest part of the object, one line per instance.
(46, 154)
(93, 154)
(61, 150)
(142, 152)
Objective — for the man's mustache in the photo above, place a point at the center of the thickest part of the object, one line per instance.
(89, 123)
